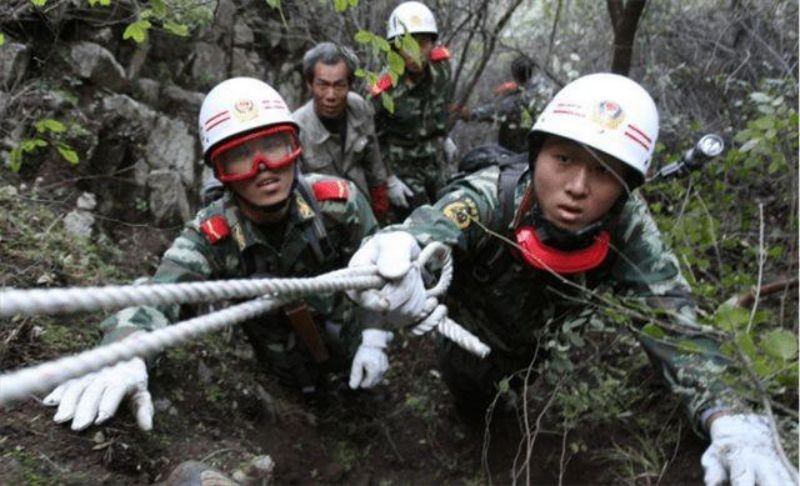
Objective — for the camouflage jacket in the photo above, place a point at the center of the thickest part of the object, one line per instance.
(419, 123)
(510, 311)
(221, 243)
(357, 159)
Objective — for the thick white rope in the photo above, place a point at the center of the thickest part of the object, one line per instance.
(21, 383)
(43, 377)
(64, 301)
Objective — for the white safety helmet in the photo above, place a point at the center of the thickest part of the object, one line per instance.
(411, 18)
(607, 112)
(237, 106)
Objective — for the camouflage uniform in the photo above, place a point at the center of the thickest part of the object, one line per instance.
(514, 112)
(411, 138)
(221, 243)
(357, 158)
(509, 312)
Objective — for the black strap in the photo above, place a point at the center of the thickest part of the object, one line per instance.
(315, 233)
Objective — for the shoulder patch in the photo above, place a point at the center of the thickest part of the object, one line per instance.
(462, 212)
(215, 228)
(439, 53)
(331, 190)
(383, 85)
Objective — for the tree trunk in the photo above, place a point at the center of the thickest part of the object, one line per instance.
(625, 19)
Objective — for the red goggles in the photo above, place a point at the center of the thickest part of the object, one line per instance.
(242, 158)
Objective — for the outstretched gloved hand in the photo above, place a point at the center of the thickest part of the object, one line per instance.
(743, 453)
(399, 192)
(402, 300)
(94, 398)
(370, 362)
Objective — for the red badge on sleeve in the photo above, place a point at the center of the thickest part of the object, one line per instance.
(439, 53)
(215, 229)
(331, 190)
(383, 84)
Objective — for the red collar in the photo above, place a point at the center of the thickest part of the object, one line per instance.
(544, 257)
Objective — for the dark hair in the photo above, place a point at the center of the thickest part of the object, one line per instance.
(330, 54)
(522, 69)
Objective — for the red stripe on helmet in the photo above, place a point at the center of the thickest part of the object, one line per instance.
(640, 132)
(218, 115)
(221, 120)
(633, 137)
(568, 112)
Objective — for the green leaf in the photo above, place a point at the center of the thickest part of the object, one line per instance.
(410, 46)
(159, 8)
(750, 144)
(32, 144)
(2, 39)
(15, 159)
(360, 73)
(363, 37)
(746, 345)
(504, 385)
(780, 343)
(38, 3)
(137, 31)
(653, 331)
(102, 3)
(275, 4)
(181, 30)
(396, 62)
(353, 3)
(50, 125)
(340, 5)
(689, 346)
(381, 43)
(388, 102)
(764, 123)
(68, 154)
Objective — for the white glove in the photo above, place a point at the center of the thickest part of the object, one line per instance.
(450, 150)
(370, 362)
(401, 301)
(94, 398)
(399, 192)
(742, 451)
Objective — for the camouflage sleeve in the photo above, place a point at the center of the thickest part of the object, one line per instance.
(190, 258)
(683, 351)
(461, 217)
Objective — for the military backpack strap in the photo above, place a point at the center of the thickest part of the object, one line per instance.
(493, 257)
(316, 233)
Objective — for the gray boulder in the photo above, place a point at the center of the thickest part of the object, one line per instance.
(95, 63)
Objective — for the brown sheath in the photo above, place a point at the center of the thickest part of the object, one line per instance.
(303, 325)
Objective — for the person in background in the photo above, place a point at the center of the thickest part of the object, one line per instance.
(337, 131)
(413, 136)
(514, 109)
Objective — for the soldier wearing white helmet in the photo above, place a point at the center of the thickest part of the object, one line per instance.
(412, 137)
(270, 221)
(569, 206)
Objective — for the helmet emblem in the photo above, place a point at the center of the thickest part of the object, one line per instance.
(608, 114)
(245, 109)
(415, 20)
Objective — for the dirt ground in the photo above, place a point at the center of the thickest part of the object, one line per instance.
(215, 406)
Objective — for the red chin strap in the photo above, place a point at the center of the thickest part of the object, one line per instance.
(543, 257)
